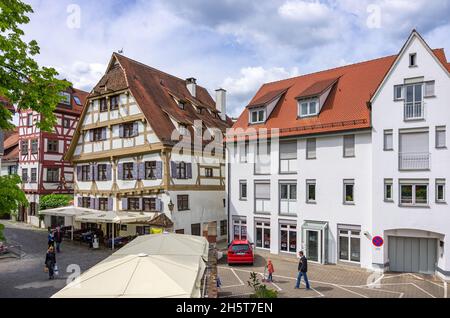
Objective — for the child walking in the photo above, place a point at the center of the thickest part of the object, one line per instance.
(271, 270)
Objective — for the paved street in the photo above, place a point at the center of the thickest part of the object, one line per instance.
(332, 281)
(25, 277)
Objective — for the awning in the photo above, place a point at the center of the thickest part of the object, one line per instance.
(67, 211)
(315, 225)
(115, 217)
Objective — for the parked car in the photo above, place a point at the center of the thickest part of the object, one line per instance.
(240, 252)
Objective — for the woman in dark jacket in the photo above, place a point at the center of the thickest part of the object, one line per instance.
(50, 262)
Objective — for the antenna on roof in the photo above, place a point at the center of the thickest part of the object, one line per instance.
(120, 51)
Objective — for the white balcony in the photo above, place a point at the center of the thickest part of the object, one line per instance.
(414, 111)
(414, 161)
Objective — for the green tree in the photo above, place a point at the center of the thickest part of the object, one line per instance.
(2, 237)
(260, 290)
(22, 81)
(11, 195)
(53, 201)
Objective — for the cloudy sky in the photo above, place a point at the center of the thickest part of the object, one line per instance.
(234, 44)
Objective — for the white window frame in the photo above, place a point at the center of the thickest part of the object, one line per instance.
(440, 183)
(291, 203)
(308, 103)
(414, 101)
(265, 225)
(441, 129)
(388, 183)
(265, 201)
(66, 99)
(413, 186)
(387, 133)
(348, 234)
(309, 152)
(348, 182)
(291, 162)
(308, 183)
(289, 228)
(240, 223)
(429, 89)
(258, 112)
(346, 149)
(402, 92)
(412, 58)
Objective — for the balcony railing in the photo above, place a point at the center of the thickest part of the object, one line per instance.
(414, 111)
(414, 161)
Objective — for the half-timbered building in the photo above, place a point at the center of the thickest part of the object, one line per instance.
(41, 164)
(124, 149)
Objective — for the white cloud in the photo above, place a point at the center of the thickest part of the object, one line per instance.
(311, 13)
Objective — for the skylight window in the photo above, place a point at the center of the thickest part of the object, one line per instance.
(309, 107)
(77, 100)
(257, 116)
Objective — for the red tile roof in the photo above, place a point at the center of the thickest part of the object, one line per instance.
(317, 88)
(345, 108)
(267, 98)
(11, 145)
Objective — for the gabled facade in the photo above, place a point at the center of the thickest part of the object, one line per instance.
(10, 159)
(124, 150)
(327, 184)
(41, 165)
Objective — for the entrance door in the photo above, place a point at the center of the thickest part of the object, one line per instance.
(412, 254)
(313, 245)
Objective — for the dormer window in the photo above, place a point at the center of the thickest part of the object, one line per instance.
(65, 98)
(181, 105)
(308, 107)
(413, 60)
(182, 129)
(257, 116)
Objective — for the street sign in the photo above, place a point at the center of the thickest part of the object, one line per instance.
(378, 241)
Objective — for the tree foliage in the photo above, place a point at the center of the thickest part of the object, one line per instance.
(11, 195)
(22, 81)
(260, 290)
(53, 201)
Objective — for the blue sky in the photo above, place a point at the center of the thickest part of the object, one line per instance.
(234, 44)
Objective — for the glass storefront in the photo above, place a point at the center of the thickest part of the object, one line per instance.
(288, 238)
(350, 245)
(263, 234)
(239, 229)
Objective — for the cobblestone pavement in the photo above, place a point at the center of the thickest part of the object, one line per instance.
(330, 281)
(25, 277)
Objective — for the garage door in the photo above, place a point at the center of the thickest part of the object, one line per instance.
(412, 255)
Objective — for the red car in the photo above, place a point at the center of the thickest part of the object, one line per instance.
(240, 252)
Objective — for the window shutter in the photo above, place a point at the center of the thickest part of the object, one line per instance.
(349, 146)
(189, 170)
(120, 171)
(135, 128)
(103, 133)
(311, 148)
(414, 142)
(110, 204)
(141, 203)
(96, 203)
(94, 172)
(108, 172)
(91, 135)
(288, 150)
(135, 171)
(429, 89)
(158, 205)
(92, 203)
(124, 204)
(141, 171)
(80, 202)
(121, 131)
(173, 170)
(79, 174)
(158, 169)
(91, 172)
(262, 191)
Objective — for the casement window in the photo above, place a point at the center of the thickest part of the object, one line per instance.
(143, 230)
(309, 107)
(128, 171)
(413, 60)
(24, 147)
(30, 120)
(114, 101)
(182, 202)
(181, 105)
(209, 172)
(413, 193)
(242, 190)
(86, 202)
(288, 198)
(25, 175)
(349, 191)
(103, 204)
(103, 105)
(429, 89)
(350, 245)
(134, 204)
(441, 140)
(440, 190)
(414, 153)
(262, 160)
(398, 92)
(149, 204)
(86, 173)
(34, 146)
(150, 170)
(388, 190)
(388, 143)
(98, 134)
(12, 170)
(310, 191)
(53, 146)
(223, 227)
(257, 116)
(181, 170)
(243, 152)
(349, 146)
(288, 157)
(65, 98)
(32, 209)
(196, 229)
(66, 123)
(102, 172)
(414, 108)
(52, 174)
(311, 148)
(262, 197)
(129, 130)
(33, 175)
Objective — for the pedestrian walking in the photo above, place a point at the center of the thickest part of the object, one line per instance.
(302, 271)
(50, 262)
(58, 237)
(271, 270)
(50, 238)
